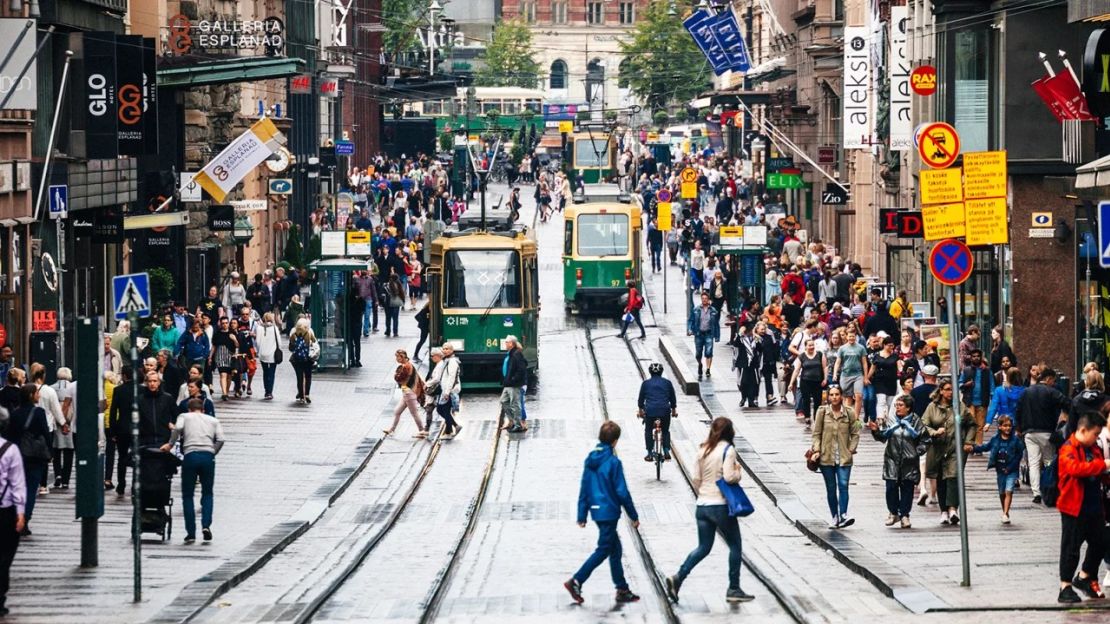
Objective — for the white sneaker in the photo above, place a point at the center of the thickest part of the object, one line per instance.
(906, 522)
(834, 523)
(944, 519)
(890, 519)
(1005, 518)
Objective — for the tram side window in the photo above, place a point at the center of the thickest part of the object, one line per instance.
(602, 235)
(482, 278)
(568, 238)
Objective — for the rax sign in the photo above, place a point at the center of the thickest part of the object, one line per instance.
(902, 223)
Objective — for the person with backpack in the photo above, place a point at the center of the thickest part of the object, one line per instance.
(717, 462)
(303, 351)
(412, 394)
(1083, 472)
(632, 309)
(27, 429)
(1039, 411)
(603, 493)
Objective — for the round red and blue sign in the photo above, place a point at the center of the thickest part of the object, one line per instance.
(951, 262)
(663, 195)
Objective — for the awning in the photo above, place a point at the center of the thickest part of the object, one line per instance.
(731, 97)
(226, 71)
(1094, 174)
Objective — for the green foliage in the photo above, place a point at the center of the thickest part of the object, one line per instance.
(510, 58)
(660, 117)
(446, 140)
(517, 153)
(161, 286)
(611, 115)
(663, 64)
(401, 18)
(294, 253)
(527, 114)
(681, 115)
(703, 113)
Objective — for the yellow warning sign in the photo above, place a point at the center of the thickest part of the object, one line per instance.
(938, 145)
(986, 221)
(731, 232)
(941, 186)
(943, 221)
(663, 215)
(566, 126)
(984, 174)
(689, 189)
(689, 174)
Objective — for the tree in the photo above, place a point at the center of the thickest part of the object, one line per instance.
(510, 59)
(401, 19)
(664, 64)
(660, 117)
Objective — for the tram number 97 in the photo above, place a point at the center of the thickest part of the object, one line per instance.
(616, 282)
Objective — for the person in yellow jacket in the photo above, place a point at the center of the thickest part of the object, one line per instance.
(901, 306)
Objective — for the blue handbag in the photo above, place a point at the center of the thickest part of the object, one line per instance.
(739, 505)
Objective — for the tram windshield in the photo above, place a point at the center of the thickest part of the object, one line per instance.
(603, 235)
(482, 278)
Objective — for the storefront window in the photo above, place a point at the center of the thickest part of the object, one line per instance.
(970, 95)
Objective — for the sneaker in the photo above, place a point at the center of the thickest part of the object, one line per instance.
(1005, 518)
(708, 373)
(207, 533)
(906, 522)
(834, 523)
(890, 520)
(1068, 596)
(307, 399)
(626, 595)
(954, 519)
(1037, 501)
(846, 522)
(738, 595)
(575, 589)
(673, 585)
(921, 501)
(43, 491)
(944, 518)
(649, 458)
(420, 434)
(189, 539)
(1088, 586)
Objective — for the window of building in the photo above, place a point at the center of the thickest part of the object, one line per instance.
(528, 11)
(627, 12)
(559, 12)
(558, 75)
(595, 14)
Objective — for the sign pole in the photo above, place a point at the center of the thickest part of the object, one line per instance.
(136, 486)
(954, 350)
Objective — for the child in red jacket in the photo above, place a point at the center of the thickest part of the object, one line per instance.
(1082, 470)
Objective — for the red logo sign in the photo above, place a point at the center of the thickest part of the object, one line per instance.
(3, 335)
(923, 80)
(301, 85)
(44, 321)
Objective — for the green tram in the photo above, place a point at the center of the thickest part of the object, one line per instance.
(593, 156)
(602, 244)
(484, 286)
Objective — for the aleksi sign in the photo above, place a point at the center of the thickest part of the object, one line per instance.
(858, 111)
(224, 35)
(901, 126)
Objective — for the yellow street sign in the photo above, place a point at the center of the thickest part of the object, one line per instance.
(941, 186)
(566, 126)
(986, 221)
(984, 174)
(689, 174)
(938, 145)
(731, 231)
(943, 221)
(689, 189)
(358, 236)
(663, 215)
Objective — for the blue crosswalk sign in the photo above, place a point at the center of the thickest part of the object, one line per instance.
(59, 201)
(131, 295)
(1104, 234)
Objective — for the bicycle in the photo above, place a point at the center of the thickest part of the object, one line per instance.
(658, 452)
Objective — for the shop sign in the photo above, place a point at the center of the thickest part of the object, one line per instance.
(901, 124)
(44, 321)
(108, 226)
(226, 35)
(329, 87)
(834, 195)
(858, 115)
(221, 218)
(1096, 72)
(923, 80)
(911, 224)
(888, 220)
(96, 98)
(301, 85)
(82, 227)
(826, 155)
(130, 84)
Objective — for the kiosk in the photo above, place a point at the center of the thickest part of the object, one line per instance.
(328, 308)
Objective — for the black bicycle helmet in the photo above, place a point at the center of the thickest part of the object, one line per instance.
(655, 368)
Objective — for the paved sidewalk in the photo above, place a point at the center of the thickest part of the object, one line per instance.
(282, 465)
(1013, 566)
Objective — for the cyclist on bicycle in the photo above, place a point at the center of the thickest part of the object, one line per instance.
(657, 402)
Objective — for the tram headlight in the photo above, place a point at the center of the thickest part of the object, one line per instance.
(627, 273)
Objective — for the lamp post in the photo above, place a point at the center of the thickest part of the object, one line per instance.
(433, 10)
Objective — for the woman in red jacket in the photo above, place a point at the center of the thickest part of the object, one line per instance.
(1082, 472)
(632, 310)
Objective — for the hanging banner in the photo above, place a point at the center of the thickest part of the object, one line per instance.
(858, 116)
(150, 97)
(96, 98)
(727, 32)
(701, 26)
(129, 94)
(245, 153)
(901, 124)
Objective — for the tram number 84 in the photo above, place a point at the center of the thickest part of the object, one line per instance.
(493, 343)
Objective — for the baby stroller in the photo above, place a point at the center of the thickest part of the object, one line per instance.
(156, 477)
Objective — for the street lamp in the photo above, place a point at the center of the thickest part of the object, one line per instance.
(434, 8)
(671, 12)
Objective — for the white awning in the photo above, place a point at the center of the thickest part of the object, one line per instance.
(1095, 174)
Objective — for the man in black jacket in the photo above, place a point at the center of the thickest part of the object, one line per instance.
(514, 375)
(157, 411)
(1038, 411)
(119, 432)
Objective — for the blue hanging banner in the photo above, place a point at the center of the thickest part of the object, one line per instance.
(727, 32)
(701, 26)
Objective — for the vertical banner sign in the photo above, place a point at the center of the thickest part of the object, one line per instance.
(129, 94)
(97, 96)
(700, 25)
(901, 125)
(727, 32)
(858, 116)
(150, 97)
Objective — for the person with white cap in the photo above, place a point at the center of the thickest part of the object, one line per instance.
(234, 294)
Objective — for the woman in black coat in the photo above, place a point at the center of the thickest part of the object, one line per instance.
(749, 362)
(31, 419)
(771, 343)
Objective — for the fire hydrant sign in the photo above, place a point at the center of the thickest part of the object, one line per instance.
(943, 221)
(941, 186)
(986, 221)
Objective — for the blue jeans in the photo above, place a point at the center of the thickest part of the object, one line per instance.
(371, 312)
(268, 372)
(392, 315)
(33, 473)
(836, 481)
(713, 518)
(197, 464)
(608, 547)
(870, 403)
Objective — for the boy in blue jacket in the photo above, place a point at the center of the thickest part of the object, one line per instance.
(603, 492)
(1005, 450)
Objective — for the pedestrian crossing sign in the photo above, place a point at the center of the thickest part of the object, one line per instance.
(131, 295)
